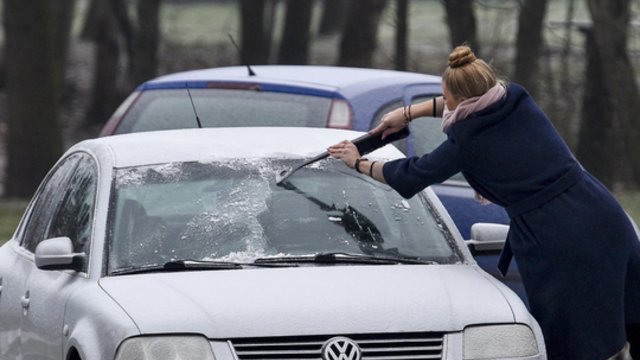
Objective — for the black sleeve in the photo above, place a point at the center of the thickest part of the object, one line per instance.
(411, 175)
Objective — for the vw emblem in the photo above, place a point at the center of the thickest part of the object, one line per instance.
(341, 348)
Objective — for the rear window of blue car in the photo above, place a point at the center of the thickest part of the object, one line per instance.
(165, 109)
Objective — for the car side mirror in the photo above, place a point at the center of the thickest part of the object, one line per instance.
(57, 254)
(487, 238)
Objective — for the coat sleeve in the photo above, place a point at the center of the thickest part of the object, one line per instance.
(411, 175)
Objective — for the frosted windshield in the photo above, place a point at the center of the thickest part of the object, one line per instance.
(234, 211)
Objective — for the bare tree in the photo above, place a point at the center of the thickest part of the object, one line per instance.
(143, 60)
(529, 43)
(117, 32)
(566, 124)
(596, 131)
(334, 13)
(105, 94)
(255, 37)
(360, 33)
(462, 23)
(402, 34)
(140, 30)
(294, 43)
(64, 11)
(34, 140)
(610, 34)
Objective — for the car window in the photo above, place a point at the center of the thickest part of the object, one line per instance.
(426, 130)
(402, 144)
(164, 109)
(48, 200)
(75, 217)
(236, 212)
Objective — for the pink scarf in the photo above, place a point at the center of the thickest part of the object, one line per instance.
(468, 107)
(472, 105)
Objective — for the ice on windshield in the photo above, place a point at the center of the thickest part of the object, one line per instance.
(234, 211)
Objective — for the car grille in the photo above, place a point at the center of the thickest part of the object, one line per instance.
(397, 346)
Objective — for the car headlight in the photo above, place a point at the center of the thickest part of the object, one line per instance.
(165, 348)
(499, 341)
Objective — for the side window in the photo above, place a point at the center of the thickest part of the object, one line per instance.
(427, 131)
(402, 145)
(427, 134)
(75, 215)
(47, 202)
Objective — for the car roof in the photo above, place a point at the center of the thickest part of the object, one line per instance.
(310, 76)
(211, 144)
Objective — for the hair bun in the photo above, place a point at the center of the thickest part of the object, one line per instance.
(461, 56)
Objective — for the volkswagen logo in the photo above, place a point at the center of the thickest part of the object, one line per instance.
(341, 348)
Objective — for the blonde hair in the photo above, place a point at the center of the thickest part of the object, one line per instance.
(467, 76)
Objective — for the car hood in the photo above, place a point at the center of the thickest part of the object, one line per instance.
(310, 300)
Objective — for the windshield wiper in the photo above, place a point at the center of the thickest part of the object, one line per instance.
(174, 265)
(192, 265)
(340, 257)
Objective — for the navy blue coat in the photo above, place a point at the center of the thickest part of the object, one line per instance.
(577, 251)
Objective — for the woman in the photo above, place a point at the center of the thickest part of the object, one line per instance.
(577, 251)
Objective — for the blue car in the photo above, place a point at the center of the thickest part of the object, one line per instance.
(309, 96)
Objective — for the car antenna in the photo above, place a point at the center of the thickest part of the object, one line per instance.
(251, 73)
(186, 84)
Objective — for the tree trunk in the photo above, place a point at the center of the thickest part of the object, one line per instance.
(529, 44)
(610, 29)
(254, 43)
(90, 22)
(462, 23)
(143, 63)
(565, 124)
(294, 43)
(119, 10)
(360, 33)
(596, 132)
(34, 140)
(402, 36)
(64, 11)
(104, 92)
(333, 16)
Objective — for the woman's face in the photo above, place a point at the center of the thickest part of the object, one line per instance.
(449, 99)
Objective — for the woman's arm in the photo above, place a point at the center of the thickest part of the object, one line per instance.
(348, 152)
(397, 119)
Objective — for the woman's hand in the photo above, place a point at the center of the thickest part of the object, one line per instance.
(346, 151)
(392, 122)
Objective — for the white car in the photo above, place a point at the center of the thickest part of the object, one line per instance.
(180, 245)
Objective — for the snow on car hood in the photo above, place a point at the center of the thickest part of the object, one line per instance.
(310, 300)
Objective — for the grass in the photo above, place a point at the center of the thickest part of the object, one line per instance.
(10, 213)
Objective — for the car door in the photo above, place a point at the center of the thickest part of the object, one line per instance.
(48, 290)
(17, 260)
(14, 269)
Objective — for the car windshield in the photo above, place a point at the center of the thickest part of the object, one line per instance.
(164, 109)
(233, 211)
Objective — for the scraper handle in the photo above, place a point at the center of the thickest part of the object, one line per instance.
(368, 143)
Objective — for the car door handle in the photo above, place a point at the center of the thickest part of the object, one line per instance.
(0, 286)
(25, 300)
